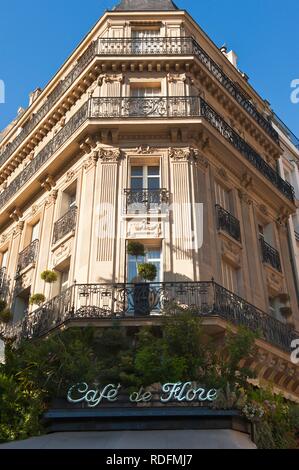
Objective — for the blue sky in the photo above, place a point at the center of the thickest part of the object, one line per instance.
(37, 36)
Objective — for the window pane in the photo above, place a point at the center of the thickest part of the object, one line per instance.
(154, 171)
(137, 183)
(137, 171)
(154, 183)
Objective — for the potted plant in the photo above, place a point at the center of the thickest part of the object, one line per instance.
(49, 276)
(37, 299)
(147, 272)
(5, 315)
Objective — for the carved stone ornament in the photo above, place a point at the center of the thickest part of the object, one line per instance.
(223, 174)
(69, 176)
(145, 150)
(176, 77)
(109, 78)
(244, 197)
(3, 238)
(144, 229)
(180, 154)
(51, 199)
(91, 161)
(109, 155)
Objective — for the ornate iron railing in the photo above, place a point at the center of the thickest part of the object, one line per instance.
(54, 96)
(297, 236)
(228, 223)
(65, 225)
(270, 255)
(143, 201)
(45, 154)
(28, 256)
(185, 46)
(246, 150)
(148, 46)
(85, 302)
(147, 108)
(154, 107)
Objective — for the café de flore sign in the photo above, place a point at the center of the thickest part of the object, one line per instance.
(170, 392)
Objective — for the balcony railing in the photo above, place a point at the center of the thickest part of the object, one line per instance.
(154, 107)
(95, 302)
(246, 150)
(28, 256)
(228, 223)
(270, 255)
(297, 236)
(185, 46)
(65, 225)
(146, 108)
(148, 46)
(144, 201)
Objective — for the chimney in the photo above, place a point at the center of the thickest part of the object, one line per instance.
(233, 58)
(35, 94)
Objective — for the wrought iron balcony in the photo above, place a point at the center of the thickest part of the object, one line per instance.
(270, 255)
(65, 225)
(148, 46)
(28, 256)
(154, 107)
(297, 236)
(228, 223)
(95, 302)
(145, 201)
(246, 150)
(184, 46)
(146, 108)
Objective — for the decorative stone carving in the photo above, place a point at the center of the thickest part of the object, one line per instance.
(48, 183)
(283, 216)
(109, 155)
(34, 209)
(148, 229)
(51, 199)
(244, 197)
(19, 228)
(3, 238)
(231, 251)
(16, 214)
(274, 280)
(91, 161)
(145, 150)
(263, 209)
(69, 176)
(223, 174)
(109, 78)
(176, 77)
(62, 252)
(247, 181)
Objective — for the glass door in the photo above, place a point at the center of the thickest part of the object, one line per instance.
(153, 256)
(143, 40)
(145, 191)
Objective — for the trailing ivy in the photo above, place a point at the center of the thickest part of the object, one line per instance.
(177, 351)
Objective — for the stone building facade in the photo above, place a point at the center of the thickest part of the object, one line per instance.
(150, 132)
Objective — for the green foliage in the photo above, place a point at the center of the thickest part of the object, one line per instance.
(177, 351)
(280, 422)
(37, 299)
(135, 249)
(147, 271)
(5, 315)
(49, 276)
